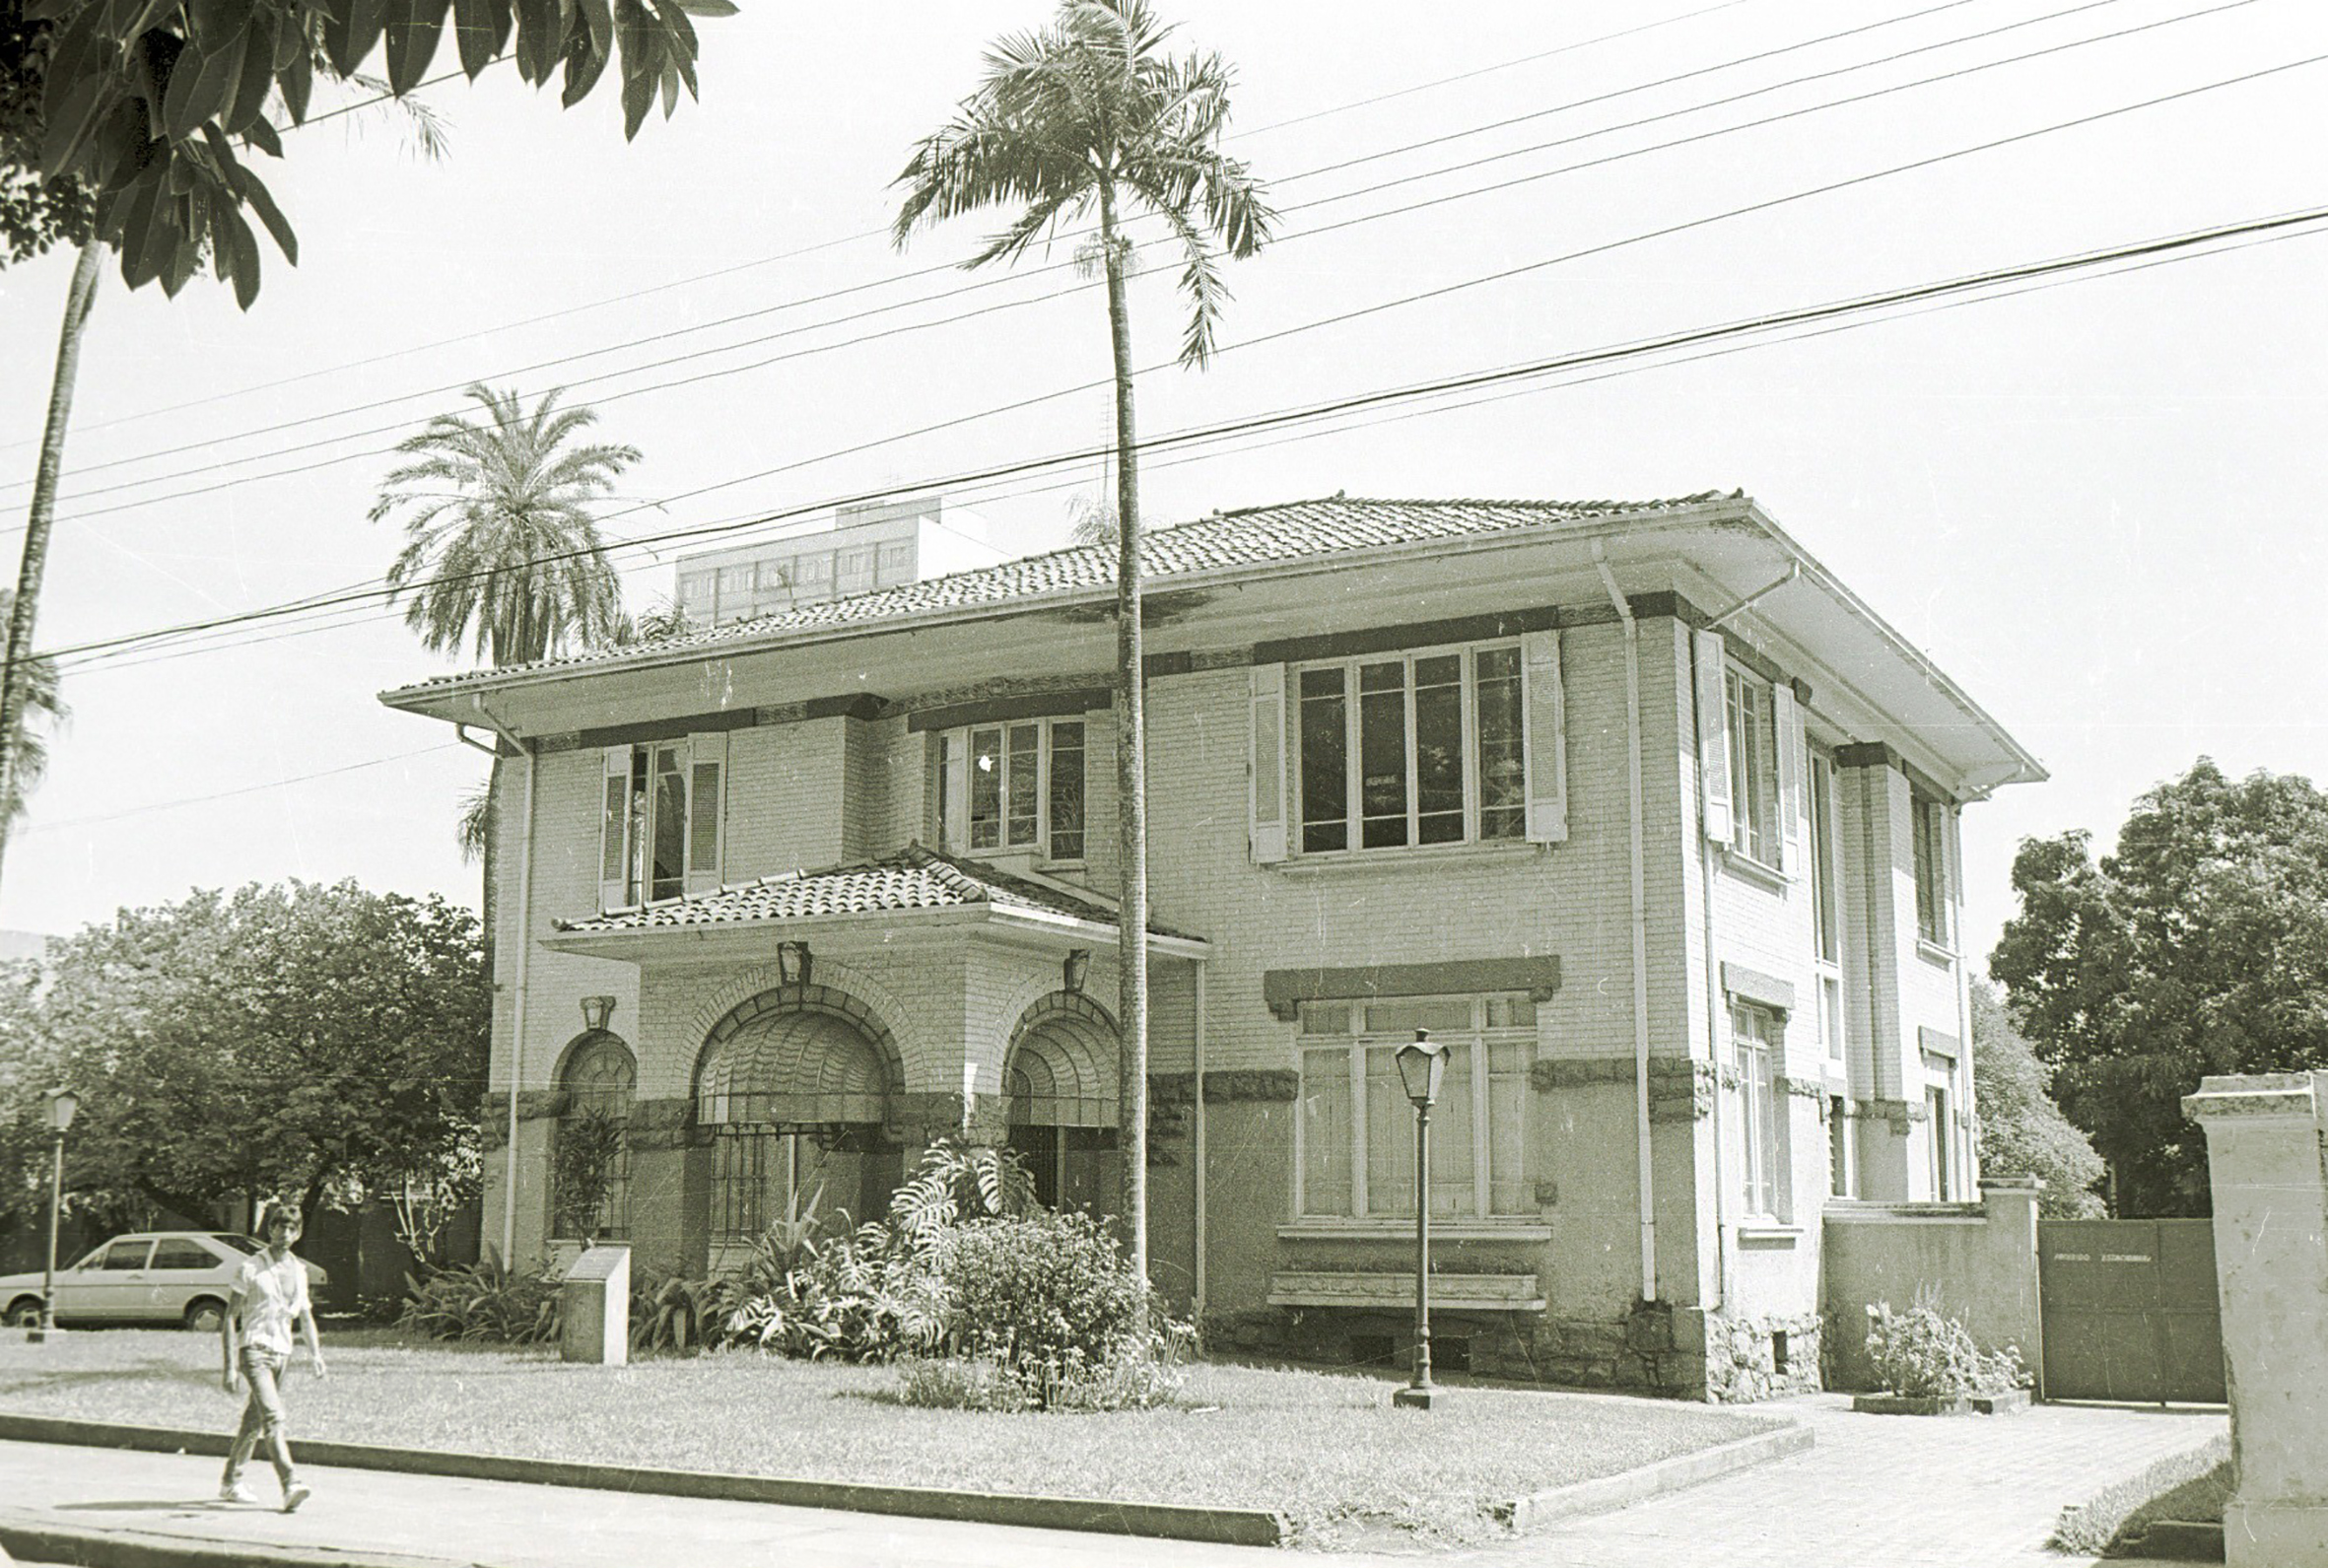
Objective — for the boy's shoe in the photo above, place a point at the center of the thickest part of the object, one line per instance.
(294, 1494)
(237, 1492)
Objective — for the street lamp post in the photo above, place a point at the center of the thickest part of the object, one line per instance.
(62, 1103)
(1420, 1066)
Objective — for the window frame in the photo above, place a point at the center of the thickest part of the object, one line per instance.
(1356, 1043)
(627, 876)
(1750, 720)
(1829, 910)
(1929, 835)
(1355, 821)
(1042, 844)
(1758, 1053)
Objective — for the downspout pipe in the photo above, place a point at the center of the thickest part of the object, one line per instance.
(508, 1208)
(1640, 895)
(1196, 1301)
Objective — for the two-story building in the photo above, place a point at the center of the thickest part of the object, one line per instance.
(1634, 807)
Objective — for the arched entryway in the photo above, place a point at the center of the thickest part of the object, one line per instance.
(794, 1093)
(1061, 1080)
(590, 1156)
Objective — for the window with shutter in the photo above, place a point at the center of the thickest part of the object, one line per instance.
(1710, 656)
(661, 811)
(1437, 746)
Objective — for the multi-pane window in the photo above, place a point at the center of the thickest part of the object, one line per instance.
(659, 821)
(1014, 785)
(1412, 748)
(1930, 821)
(1754, 767)
(1826, 903)
(1356, 1127)
(590, 1167)
(1842, 1171)
(1757, 1042)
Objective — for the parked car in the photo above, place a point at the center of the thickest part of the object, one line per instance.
(154, 1276)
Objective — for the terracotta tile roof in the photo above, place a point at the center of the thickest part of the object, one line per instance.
(919, 878)
(1255, 536)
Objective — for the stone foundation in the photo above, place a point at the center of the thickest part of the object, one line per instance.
(1749, 1358)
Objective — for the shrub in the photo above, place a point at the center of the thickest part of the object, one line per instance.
(1921, 1354)
(672, 1312)
(486, 1300)
(1051, 1303)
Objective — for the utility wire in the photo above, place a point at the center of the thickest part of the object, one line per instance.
(1172, 441)
(1426, 406)
(831, 245)
(974, 313)
(248, 790)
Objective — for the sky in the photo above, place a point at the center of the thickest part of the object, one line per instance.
(2091, 504)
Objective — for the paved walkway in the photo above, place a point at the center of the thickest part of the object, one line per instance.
(1892, 1491)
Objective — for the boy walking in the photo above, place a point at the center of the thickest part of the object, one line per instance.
(270, 1294)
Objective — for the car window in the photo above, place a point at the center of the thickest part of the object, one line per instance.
(240, 1243)
(180, 1252)
(129, 1253)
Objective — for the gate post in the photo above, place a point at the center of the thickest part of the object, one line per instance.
(2267, 1154)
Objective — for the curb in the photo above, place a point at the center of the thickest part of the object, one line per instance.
(37, 1538)
(1608, 1492)
(1227, 1527)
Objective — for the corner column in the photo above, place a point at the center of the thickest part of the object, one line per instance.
(2267, 1155)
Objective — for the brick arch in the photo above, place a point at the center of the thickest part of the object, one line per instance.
(1063, 1064)
(807, 1002)
(891, 1020)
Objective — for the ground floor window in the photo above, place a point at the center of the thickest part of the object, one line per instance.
(1936, 1105)
(1356, 1127)
(1758, 1045)
(1061, 1080)
(590, 1159)
(761, 1176)
(795, 1100)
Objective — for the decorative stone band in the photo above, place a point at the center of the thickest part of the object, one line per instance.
(1901, 1114)
(1285, 990)
(534, 1105)
(1752, 985)
(662, 1123)
(1681, 1088)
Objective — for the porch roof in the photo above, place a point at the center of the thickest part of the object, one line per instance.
(919, 882)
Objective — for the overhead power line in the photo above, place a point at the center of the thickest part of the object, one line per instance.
(882, 233)
(696, 356)
(2307, 218)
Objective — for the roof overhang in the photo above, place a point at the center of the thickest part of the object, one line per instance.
(723, 940)
(1715, 553)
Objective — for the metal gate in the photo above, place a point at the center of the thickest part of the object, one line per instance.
(2130, 1310)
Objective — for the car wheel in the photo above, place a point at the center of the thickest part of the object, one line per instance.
(203, 1315)
(23, 1312)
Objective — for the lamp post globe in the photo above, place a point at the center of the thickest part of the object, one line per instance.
(63, 1104)
(1422, 1067)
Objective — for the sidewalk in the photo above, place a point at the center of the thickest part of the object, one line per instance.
(1877, 1490)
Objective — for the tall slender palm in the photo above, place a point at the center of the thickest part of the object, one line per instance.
(502, 548)
(1089, 119)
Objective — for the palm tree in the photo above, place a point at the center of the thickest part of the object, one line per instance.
(502, 550)
(1085, 118)
(37, 702)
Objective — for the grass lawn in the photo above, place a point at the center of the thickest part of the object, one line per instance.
(1325, 1449)
(2192, 1488)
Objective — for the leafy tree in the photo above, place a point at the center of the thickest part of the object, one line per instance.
(305, 1040)
(2022, 1133)
(1090, 118)
(2199, 946)
(132, 119)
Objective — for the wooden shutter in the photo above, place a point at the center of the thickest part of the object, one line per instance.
(707, 811)
(1786, 724)
(1265, 791)
(1713, 734)
(953, 770)
(614, 817)
(1548, 738)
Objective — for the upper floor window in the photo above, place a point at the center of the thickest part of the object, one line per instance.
(1827, 901)
(1013, 786)
(1754, 767)
(1412, 748)
(659, 827)
(1355, 1135)
(1929, 819)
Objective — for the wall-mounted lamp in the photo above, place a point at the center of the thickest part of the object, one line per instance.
(1076, 970)
(597, 1010)
(792, 963)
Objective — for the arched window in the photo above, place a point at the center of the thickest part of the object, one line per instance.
(1062, 1080)
(591, 1161)
(795, 1100)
